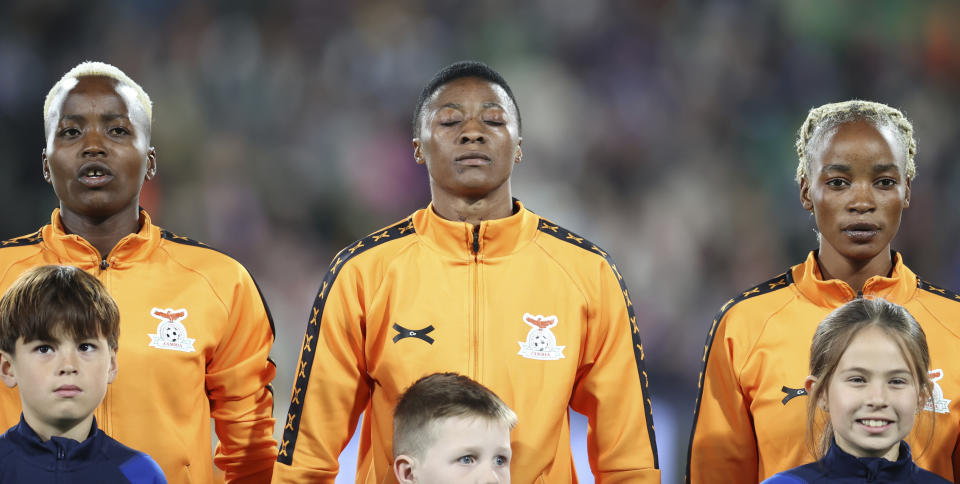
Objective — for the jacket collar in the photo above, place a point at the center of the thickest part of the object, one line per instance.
(75, 250)
(47, 454)
(841, 465)
(497, 238)
(899, 287)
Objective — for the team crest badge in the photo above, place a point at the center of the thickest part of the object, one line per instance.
(171, 333)
(541, 344)
(937, 403)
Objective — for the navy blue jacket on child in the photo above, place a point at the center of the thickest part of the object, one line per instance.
(840, 467)
(24, 458)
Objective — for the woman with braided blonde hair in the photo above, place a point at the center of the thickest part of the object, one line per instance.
(855, 169)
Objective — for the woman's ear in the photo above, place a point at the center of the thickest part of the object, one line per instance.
(418, 151)
(45, 166)
(906, 194)
(151, 163)
(805, 194)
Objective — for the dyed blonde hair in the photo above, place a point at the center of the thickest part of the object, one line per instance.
(831, 340)
(822, 119)
(436, 397)
(94, 69)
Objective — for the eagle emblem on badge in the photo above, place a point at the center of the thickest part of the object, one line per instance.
(171, 333)
(541, 343)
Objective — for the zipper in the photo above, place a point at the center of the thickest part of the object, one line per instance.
(102, 411)
(105, 262)
(476, 304)
(60, 464)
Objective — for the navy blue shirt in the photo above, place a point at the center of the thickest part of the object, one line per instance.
(840, 467)
(25, 458)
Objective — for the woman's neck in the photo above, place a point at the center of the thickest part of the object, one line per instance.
(833, 265)
(495, 205)
(102, 233)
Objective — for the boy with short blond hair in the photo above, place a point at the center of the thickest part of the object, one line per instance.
(449, 428)
(58, 343)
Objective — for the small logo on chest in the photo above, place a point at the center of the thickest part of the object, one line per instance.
(541, 343)
(171, 333)
(412, 333)
(792, 393)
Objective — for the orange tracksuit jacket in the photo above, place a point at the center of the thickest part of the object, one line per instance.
(195, 336)
(534, 312)
(750, 421)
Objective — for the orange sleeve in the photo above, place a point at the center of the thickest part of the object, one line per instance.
(331, 387)
(722, 442)
(611, 389)
(238, 386)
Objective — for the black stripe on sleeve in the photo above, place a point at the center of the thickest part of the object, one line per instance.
(779, 282)
(942, 292)
(266, 308)
(30, 239)
(172, 237)
(291, 429)
(565, 235)
(179, 239)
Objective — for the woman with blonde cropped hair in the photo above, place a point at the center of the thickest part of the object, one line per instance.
(195, 333)
(855, 169)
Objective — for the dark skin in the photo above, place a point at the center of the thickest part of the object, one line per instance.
(97, 159)
(857, 189)
(469, 140)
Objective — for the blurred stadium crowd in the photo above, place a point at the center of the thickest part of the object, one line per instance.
(661, 130)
